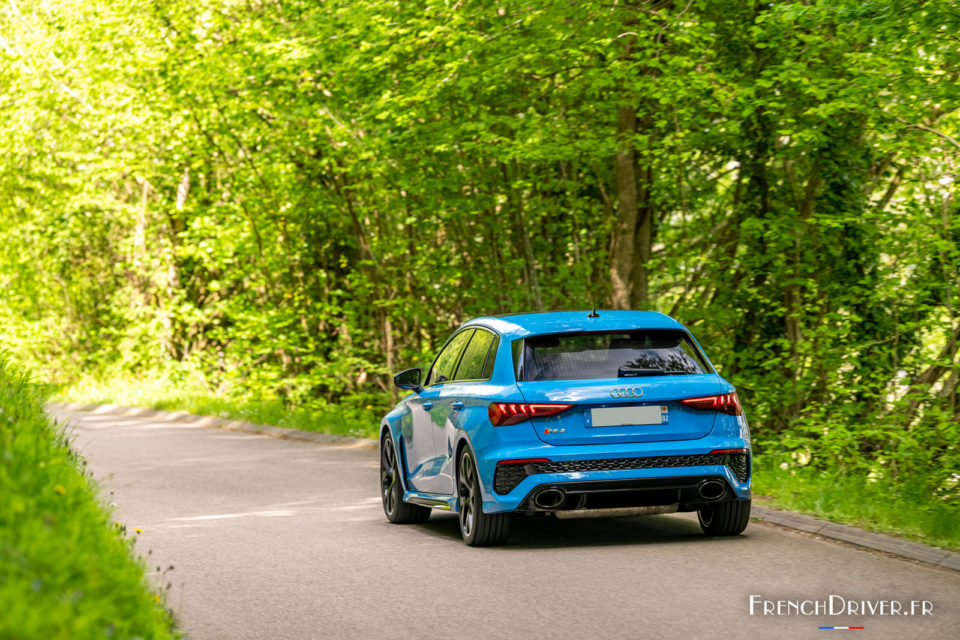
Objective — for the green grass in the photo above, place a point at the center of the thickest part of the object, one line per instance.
(907, 510)
(157, 392)
(66, 571)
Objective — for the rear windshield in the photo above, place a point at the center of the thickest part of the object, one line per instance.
(626, 354)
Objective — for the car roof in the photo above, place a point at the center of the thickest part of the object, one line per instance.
(527, 324)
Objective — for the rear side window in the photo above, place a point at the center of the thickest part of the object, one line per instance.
(491, 357)
(446, 362)
(474, 357)
(626, 354)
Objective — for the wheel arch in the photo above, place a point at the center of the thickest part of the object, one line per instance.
(386, 430)
(464, 442)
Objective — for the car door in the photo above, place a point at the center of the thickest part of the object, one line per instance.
(429, 414)
(465, 398)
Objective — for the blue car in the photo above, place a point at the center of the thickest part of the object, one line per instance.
(572, 414)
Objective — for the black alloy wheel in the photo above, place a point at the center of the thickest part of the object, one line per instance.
(478, 529)
(391, 490)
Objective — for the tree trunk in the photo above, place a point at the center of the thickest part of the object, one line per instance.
(529, 259)
(643, 244)
(624, 238)
(515, 206)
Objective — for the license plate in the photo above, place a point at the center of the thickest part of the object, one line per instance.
(621, 416)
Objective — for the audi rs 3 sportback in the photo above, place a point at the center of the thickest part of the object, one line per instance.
(570, 414)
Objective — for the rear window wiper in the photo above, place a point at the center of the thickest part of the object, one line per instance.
(636, 373)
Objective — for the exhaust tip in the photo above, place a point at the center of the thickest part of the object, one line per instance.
(711, 490)
(549, 498)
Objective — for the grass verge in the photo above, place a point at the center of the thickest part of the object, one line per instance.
(66, 571)
(906, 510)
(357, 420)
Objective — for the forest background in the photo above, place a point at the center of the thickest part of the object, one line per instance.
(265, 208)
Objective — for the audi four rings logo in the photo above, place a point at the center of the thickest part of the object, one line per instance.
(626, 392)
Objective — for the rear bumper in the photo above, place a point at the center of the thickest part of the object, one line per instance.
(650, 472)
(618, 494)
(506, 477)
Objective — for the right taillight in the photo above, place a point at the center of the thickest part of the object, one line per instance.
(724, 403)
(506, 413)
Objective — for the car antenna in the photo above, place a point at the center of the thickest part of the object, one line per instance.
(593, 314)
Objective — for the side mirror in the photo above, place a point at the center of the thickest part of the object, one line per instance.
(409, 379)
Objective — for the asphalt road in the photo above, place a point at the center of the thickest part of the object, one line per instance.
(280, 539)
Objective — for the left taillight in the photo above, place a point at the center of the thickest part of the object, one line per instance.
(724, 403)
(507, 413)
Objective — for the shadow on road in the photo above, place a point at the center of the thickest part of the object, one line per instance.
(551, 533)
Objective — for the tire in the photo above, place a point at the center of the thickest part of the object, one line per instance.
(727, 518)
(478, 529)
(391, 489)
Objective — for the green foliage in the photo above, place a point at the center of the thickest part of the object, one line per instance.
(291, 201)
(66, 571)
